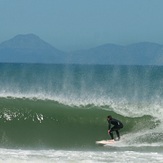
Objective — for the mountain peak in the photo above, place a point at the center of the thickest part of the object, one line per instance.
(29, 41)
(29, 48)
(26, 36)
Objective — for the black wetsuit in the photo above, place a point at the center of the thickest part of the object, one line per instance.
(117, 125)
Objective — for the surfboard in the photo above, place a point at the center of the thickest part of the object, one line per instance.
(105, 142)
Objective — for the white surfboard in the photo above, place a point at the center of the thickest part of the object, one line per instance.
(105, 142)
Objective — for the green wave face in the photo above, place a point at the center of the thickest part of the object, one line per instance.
(35, 123)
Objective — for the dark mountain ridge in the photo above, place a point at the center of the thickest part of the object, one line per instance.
(30, 48)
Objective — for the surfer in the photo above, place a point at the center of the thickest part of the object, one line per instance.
(117, 125)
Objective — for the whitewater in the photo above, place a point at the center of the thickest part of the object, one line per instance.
(55, 113)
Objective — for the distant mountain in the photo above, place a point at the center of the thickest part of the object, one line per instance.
(144, 53)
(29, 48)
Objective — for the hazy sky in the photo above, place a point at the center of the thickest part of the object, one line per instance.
(76, 24)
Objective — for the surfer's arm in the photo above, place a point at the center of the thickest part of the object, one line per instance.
(109, 127)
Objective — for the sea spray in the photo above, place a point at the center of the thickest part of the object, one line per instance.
(43, 104)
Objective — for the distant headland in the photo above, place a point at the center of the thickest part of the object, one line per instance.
(29, 48)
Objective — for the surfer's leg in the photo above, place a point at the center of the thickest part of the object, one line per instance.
(117, 132)
(111, 135)
(111, 132)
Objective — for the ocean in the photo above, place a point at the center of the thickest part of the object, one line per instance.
(56, 113)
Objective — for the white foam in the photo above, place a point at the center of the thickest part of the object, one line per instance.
(42, 156)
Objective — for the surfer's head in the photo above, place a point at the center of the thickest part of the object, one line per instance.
(109, 117)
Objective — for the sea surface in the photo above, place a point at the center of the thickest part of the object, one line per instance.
(56, 113)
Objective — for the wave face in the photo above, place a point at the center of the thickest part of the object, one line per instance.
(55, 106)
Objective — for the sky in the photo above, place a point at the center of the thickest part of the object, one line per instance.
(81, 24)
